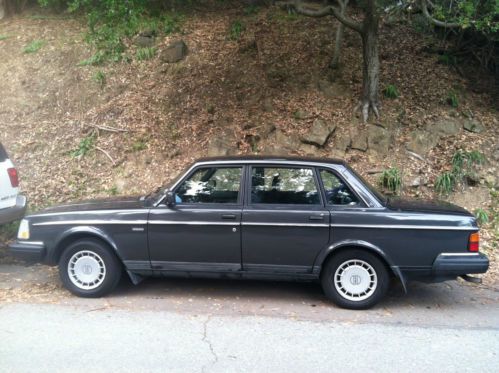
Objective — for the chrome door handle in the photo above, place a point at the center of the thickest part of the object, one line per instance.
(229, 216)
(316, 217)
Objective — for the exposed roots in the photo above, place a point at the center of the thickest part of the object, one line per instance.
(365, 107)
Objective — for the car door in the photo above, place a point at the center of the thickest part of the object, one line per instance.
(284, 222)
(202, 231)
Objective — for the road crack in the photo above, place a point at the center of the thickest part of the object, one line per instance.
(206, 340)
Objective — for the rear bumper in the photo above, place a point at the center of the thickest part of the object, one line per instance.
(460, 264)
(15, 212)
(28, 250)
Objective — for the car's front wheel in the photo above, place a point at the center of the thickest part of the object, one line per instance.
(89, 269)
(355, 279)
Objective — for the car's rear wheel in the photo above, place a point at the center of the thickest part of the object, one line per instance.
(88, 268)
(355, 279)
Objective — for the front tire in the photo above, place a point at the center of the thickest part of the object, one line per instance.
(88, 268)
(355, 279)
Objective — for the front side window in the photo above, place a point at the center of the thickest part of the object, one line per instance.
(281, 185)
(337, 192)
(211, 185)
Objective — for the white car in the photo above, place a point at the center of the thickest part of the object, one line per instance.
(12, 204)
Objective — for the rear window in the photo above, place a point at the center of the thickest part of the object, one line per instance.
(3, 153)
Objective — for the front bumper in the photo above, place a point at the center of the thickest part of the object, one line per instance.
(28, 250)
(457, 264)
(15, 212)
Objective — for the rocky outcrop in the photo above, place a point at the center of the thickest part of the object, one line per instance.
(175, 52)
(319, 133)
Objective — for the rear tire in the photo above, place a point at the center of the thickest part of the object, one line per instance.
(355, 279)
(88, 268)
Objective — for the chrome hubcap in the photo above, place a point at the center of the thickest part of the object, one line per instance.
(86, 270)
(355, 280)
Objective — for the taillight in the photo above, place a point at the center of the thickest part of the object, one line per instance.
(14, 178)
(474, 242)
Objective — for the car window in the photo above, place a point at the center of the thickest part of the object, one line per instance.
(211, 185)
(337, 192)
(281, 185)
(3, 154)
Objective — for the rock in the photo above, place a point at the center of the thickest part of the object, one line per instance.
(421, 142)
(308, 149)
(472, 125)
(280, 143)
(416, 182)
(300, 114)
(318, 133)
(288, 141)
(144, 41)
(359, 141)
(220, 146)
(445, 127)
(174, 52)
(341, 142)
(379, 140)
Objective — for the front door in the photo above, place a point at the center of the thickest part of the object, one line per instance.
(201, 233)
(284, 223)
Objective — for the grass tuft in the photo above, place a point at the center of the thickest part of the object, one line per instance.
(34, 46)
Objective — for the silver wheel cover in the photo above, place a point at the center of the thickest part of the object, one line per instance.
(86, 270)
(355, 280)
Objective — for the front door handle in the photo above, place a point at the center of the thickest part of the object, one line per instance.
(317, 217)
(229, 216)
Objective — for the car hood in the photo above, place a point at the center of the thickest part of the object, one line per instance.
(115, 203)
(427, 206)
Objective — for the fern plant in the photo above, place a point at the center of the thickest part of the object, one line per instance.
(390, 91)
(444, 184)
(481, 216)
(391, 179)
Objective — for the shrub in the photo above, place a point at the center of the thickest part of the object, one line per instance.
(481, 216)
(34, 46)
(452, 99)
(236, 29)
(100, 78)
(391, 180)
(390, 91)
(86, 144)
(444, 184)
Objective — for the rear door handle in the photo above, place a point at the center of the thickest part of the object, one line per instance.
(228, 216)
(316, 217)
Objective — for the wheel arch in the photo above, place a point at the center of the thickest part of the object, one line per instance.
(331, 250)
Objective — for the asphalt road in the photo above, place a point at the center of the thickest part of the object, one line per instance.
(231, 326)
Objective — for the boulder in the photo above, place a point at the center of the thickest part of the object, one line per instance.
(421, 142)
(221, 145)
(445, 127)
(319, 133)
(473, 125)
(379, 140)
(359, 141)
(341, 142)
(174, 52)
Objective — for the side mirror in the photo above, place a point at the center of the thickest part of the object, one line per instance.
(170, 199)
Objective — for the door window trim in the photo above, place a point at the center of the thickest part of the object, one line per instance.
(212, 205)
(281, 206)
(362, 203)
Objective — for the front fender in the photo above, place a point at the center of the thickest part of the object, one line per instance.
(81, 232)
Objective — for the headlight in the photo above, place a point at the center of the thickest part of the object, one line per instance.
(23, 233)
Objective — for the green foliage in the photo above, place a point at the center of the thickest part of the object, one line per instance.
(482, 217)
(444, 184)
(391, 179)
(8, 231)
(4, 37)
(464, 165)
(113, 191)
(390, 91)
(34, 46)
(139, 145)
(145, 53)
(96, 59)
(100, 78)
(172, 23)
(452, 99)
(251, 10)
(85, 146)
(236, 29)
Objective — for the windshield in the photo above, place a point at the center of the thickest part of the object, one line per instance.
(382, 198)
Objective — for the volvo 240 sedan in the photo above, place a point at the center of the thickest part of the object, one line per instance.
(259, 218)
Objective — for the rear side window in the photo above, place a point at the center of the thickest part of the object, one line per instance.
(3, 154)
(280, 185)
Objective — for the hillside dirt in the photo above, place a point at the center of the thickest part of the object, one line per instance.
(150, 119)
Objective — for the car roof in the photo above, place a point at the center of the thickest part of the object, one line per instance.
(270, 158)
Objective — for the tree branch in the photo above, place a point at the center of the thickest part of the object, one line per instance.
(324, 11)
(436, 22)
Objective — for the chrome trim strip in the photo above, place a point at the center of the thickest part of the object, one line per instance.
(174, 222)
(93, 222)
(96, 212)
(386, 226)
(286, 224)
(459, 254)
(30, 242)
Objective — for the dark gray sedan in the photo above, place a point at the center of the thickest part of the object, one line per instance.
(260, 218)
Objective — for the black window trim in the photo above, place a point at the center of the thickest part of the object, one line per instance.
(283, 206)
(211, 205)
(362, 204)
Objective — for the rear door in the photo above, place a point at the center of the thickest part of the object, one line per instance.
(284, 223)
(8, 191)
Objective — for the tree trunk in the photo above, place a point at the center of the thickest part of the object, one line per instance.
(3, 12)
(335, 62)
(370, 69)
